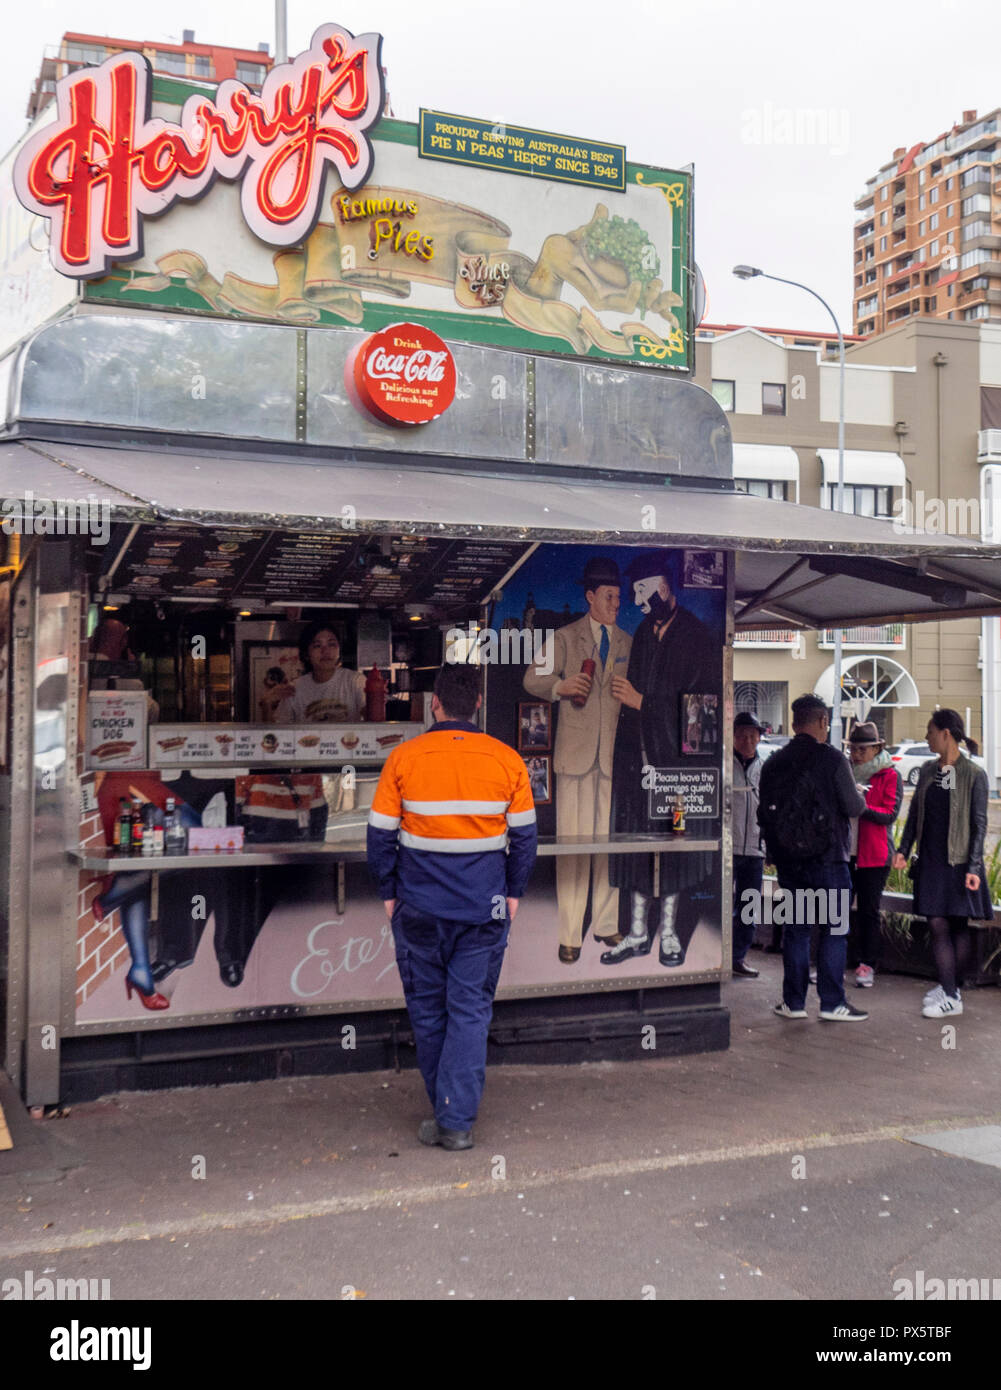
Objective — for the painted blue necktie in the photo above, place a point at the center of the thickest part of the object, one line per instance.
(605, 644)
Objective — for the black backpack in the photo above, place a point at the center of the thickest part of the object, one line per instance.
(795, 821)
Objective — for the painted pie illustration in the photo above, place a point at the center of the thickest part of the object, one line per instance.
(350, 740)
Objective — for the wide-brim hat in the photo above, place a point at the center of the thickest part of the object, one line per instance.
(600, 570)
(865, 734)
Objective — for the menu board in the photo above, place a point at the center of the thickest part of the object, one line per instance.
(304, 567)
(188, 561)
(186, 745)
(468, 572)
(299, 566)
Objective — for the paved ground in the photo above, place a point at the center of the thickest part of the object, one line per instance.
(780, 1169)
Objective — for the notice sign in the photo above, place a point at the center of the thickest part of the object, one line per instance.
(698, 786)
(517, 150)
(116, 728)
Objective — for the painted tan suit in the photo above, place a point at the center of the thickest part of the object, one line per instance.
(582, 762)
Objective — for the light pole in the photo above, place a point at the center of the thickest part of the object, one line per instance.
(281, 32)
(748, 272)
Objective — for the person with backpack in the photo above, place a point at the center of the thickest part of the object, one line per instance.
(808, 797)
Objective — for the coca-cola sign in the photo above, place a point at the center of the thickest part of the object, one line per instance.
(104, 164)
(404, 375)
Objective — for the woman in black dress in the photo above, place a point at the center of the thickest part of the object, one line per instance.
(948, 821)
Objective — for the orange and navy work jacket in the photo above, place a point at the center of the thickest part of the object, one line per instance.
(452, 831)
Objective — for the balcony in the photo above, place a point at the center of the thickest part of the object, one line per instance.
(987, 241)
(771, 637)
(886, 637)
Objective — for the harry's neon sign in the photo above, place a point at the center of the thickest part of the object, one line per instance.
(105, 164)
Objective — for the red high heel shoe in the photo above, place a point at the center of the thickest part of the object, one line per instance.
(153, 1000)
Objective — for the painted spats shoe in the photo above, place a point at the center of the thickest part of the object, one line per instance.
(628, 947)
(947, 1007)
(864, 977)
(671, 953)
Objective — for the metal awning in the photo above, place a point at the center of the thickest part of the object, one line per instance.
(797, 566)
(767, 462)
(871, 467)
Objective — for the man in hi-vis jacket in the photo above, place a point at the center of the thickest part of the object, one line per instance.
(585, 740)
(451, 843)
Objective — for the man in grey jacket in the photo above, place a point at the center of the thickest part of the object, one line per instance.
(748, 852)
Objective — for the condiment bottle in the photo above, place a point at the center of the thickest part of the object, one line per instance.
(678, 815)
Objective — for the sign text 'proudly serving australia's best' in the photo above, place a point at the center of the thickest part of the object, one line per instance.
(104, 164)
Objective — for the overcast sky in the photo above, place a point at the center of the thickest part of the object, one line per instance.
(722, 85)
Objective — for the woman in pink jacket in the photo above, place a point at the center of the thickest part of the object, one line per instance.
(872, 845)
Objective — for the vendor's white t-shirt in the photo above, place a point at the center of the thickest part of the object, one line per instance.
(340, 700)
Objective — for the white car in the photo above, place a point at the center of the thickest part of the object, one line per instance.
(771, 743)
(911, 753)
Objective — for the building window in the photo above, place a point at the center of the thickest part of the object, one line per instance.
(773, 398)
(933, 222)
(882, 243)
(948, 185)
(921, 203)
(949, 209)
(723, 395)
(883, 193)
(862, 500)
(761, 487)
(171, 62)
(921, 229)
(203, 65)
(882, 219)
(922, 175)
(980, 202)
(933, 247)
(949, 289)
(978, 228)
(86, 53)
(252, 73)
(979, 311)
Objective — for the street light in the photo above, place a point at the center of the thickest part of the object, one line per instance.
(749, 272)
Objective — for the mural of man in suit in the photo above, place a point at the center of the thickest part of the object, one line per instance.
(585, 739)
(673, 654)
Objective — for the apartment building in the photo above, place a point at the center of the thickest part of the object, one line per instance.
(918, 404)
(927, 239)
(211, 63)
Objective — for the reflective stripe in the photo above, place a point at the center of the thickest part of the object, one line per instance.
(521, 817)
(452, 846)
(456, 808)
(382, 822)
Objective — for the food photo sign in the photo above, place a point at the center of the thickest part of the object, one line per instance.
(304, 205)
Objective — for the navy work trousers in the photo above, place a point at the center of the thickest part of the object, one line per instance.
(450, 972)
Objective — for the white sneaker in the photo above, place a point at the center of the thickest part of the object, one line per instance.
(944, 1007)
(783, 1010)
(864, 977)
(844, 1013)
(937, 994)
